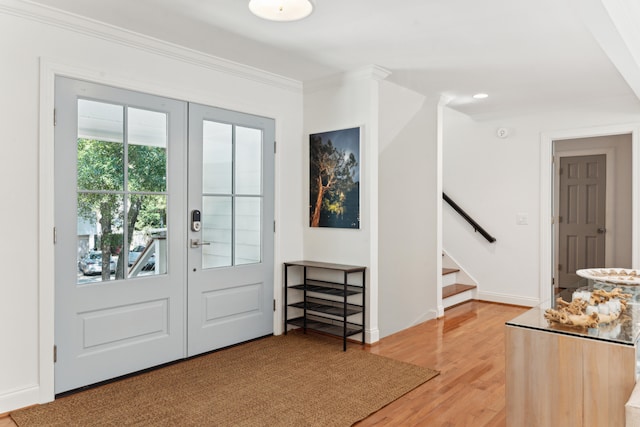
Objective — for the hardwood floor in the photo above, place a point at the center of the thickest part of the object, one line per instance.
(467, 347)
(5, 421)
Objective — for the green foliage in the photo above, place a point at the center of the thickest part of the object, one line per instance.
(152, 211)
(100, 165)
(147, 168)
(101, 189)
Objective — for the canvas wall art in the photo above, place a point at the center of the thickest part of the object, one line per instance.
(334, 179)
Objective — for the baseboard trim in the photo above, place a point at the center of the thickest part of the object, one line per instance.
(508, 299)
(372, 335)
(20, 398)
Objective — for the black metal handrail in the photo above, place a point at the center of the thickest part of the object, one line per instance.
(463, 214)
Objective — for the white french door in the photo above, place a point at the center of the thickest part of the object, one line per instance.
(231, 258)
(132, 287)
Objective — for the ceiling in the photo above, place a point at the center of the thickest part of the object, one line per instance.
(527, 55)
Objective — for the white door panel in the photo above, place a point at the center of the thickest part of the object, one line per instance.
(231, 270)
(108, 323)
(136, 284)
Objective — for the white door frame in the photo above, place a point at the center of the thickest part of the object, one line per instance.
(43, 389)
(547, 194)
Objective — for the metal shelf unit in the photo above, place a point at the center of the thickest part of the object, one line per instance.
(325, 306)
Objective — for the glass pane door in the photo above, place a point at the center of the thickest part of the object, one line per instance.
(120, 213)
(230, 259)
(121, 196)
(231, 194)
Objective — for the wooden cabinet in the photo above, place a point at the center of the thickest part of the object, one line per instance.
(556, 376)
(325, 297)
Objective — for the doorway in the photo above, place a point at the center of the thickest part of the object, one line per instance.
(592, 206)
(164, 243)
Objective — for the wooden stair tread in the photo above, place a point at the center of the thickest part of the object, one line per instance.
(456, 288)
(449, 271)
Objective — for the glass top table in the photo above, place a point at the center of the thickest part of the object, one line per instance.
(624, 330)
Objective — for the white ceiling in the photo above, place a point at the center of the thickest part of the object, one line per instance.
(528, 55)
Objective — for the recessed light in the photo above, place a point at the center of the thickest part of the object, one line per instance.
(481, 95)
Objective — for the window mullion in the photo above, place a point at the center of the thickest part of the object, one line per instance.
(233, 195)
(124, 252)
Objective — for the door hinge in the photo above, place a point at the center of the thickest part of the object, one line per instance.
(560, 219)
(553, 280)
(54, 116)
(274, 146)
(55, 236)
(55, 353)
(274, 305)
(274, 226)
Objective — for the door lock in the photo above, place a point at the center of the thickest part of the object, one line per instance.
(196, 224)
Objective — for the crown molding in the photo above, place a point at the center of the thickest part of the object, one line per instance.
(92, 28)
(369, 72)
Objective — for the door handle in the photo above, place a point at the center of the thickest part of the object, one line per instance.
(601, 230)
(196, 243)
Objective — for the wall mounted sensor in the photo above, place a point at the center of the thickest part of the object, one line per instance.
(502, 132)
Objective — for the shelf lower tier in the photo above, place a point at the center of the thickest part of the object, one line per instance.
(332, 308)
(322, 325)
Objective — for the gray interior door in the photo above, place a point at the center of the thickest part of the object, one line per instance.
(120, 161)
(231, 174)
(582, 207)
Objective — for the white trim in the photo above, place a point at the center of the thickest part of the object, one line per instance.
(46, 264)
(456, 299)
(507, 299)
(373, 72)
(463, 276)
(96, 29)
(372, 335)
(49, 69)
(546, 194)
(370, 136)
(19, 398)
(442, 102)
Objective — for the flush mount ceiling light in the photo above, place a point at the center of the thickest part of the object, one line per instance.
(480, 96)
(281, 10)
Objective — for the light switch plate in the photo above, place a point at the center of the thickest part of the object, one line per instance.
(522, 219)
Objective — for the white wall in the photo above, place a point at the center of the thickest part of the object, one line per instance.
(408, 209)
(496, 179)
(36, 42)
(340, 102)
(332, 106)
(397, 239)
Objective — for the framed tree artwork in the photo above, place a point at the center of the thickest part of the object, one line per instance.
(334, 179)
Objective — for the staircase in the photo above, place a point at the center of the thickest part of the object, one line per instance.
(454, 293)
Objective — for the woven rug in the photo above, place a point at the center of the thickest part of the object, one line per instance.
(292, 380)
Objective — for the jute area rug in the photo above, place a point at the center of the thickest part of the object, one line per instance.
(292, 380)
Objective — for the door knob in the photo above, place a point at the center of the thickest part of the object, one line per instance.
(196, 243)
(601, 230)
